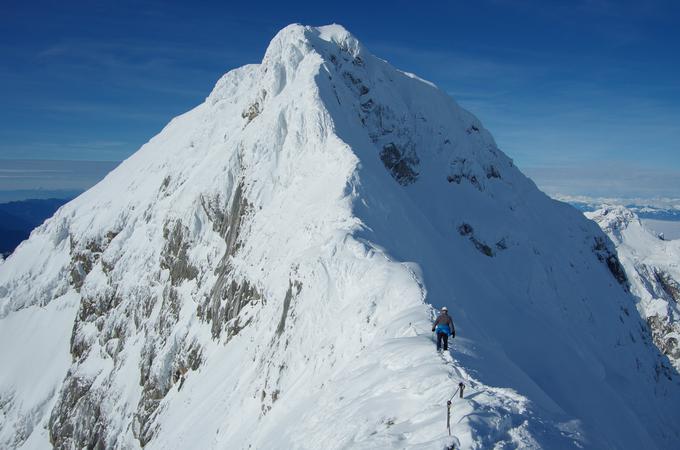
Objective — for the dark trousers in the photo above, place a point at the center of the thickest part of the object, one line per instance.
(445, 338)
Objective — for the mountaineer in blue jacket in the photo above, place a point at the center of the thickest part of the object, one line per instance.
(444, 327)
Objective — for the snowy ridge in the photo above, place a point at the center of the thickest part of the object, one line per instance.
(653, 268)
(258, 275)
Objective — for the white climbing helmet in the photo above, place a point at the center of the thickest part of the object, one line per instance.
(444, 308)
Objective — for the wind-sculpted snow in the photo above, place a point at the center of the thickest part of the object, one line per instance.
(259, 274)
(652, 265)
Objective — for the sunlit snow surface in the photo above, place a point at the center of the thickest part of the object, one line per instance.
(653, 268)
(326, 199)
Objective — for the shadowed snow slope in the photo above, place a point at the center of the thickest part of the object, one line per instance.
(258, 276)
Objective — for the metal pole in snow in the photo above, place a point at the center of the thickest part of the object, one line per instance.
(448, 416)
(460, 389)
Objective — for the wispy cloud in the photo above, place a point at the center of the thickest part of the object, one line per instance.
(153, 67)
(102, 110)
(607, 180)
(672, 203)
(51, 175)
(96, 150)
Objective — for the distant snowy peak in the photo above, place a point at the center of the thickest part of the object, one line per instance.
(652, 267)
(614, 219)
(659, 208)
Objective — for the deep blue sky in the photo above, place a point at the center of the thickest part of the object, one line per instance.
(567, 88)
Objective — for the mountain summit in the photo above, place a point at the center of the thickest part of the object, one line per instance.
(260, 274)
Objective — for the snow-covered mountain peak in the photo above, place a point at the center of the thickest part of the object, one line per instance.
(617, 221)
(653, 268)
(615, 218)
(298, 51)
(415, 126)
(295, 41)
(262, 270)
(617, 214)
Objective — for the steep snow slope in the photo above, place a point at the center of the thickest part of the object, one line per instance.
(258, 275)
(653, 268)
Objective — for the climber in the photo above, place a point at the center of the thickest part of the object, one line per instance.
(444, 327)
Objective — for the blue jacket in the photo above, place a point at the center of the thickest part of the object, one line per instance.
(441, 328)
(444, 324)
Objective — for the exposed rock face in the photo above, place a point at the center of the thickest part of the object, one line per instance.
(293, 290)
(466, 230)
(111, 317)
(401, 167)
(666, 335)
(228, 296)
(670, 286)
(608, 256)
(76, 420)
(174, 257)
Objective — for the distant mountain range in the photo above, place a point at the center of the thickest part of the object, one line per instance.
(18, 219)
(666, 210)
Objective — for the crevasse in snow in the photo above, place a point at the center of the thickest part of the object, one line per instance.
(274, 252)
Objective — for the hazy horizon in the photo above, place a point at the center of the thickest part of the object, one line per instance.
(40, 179)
